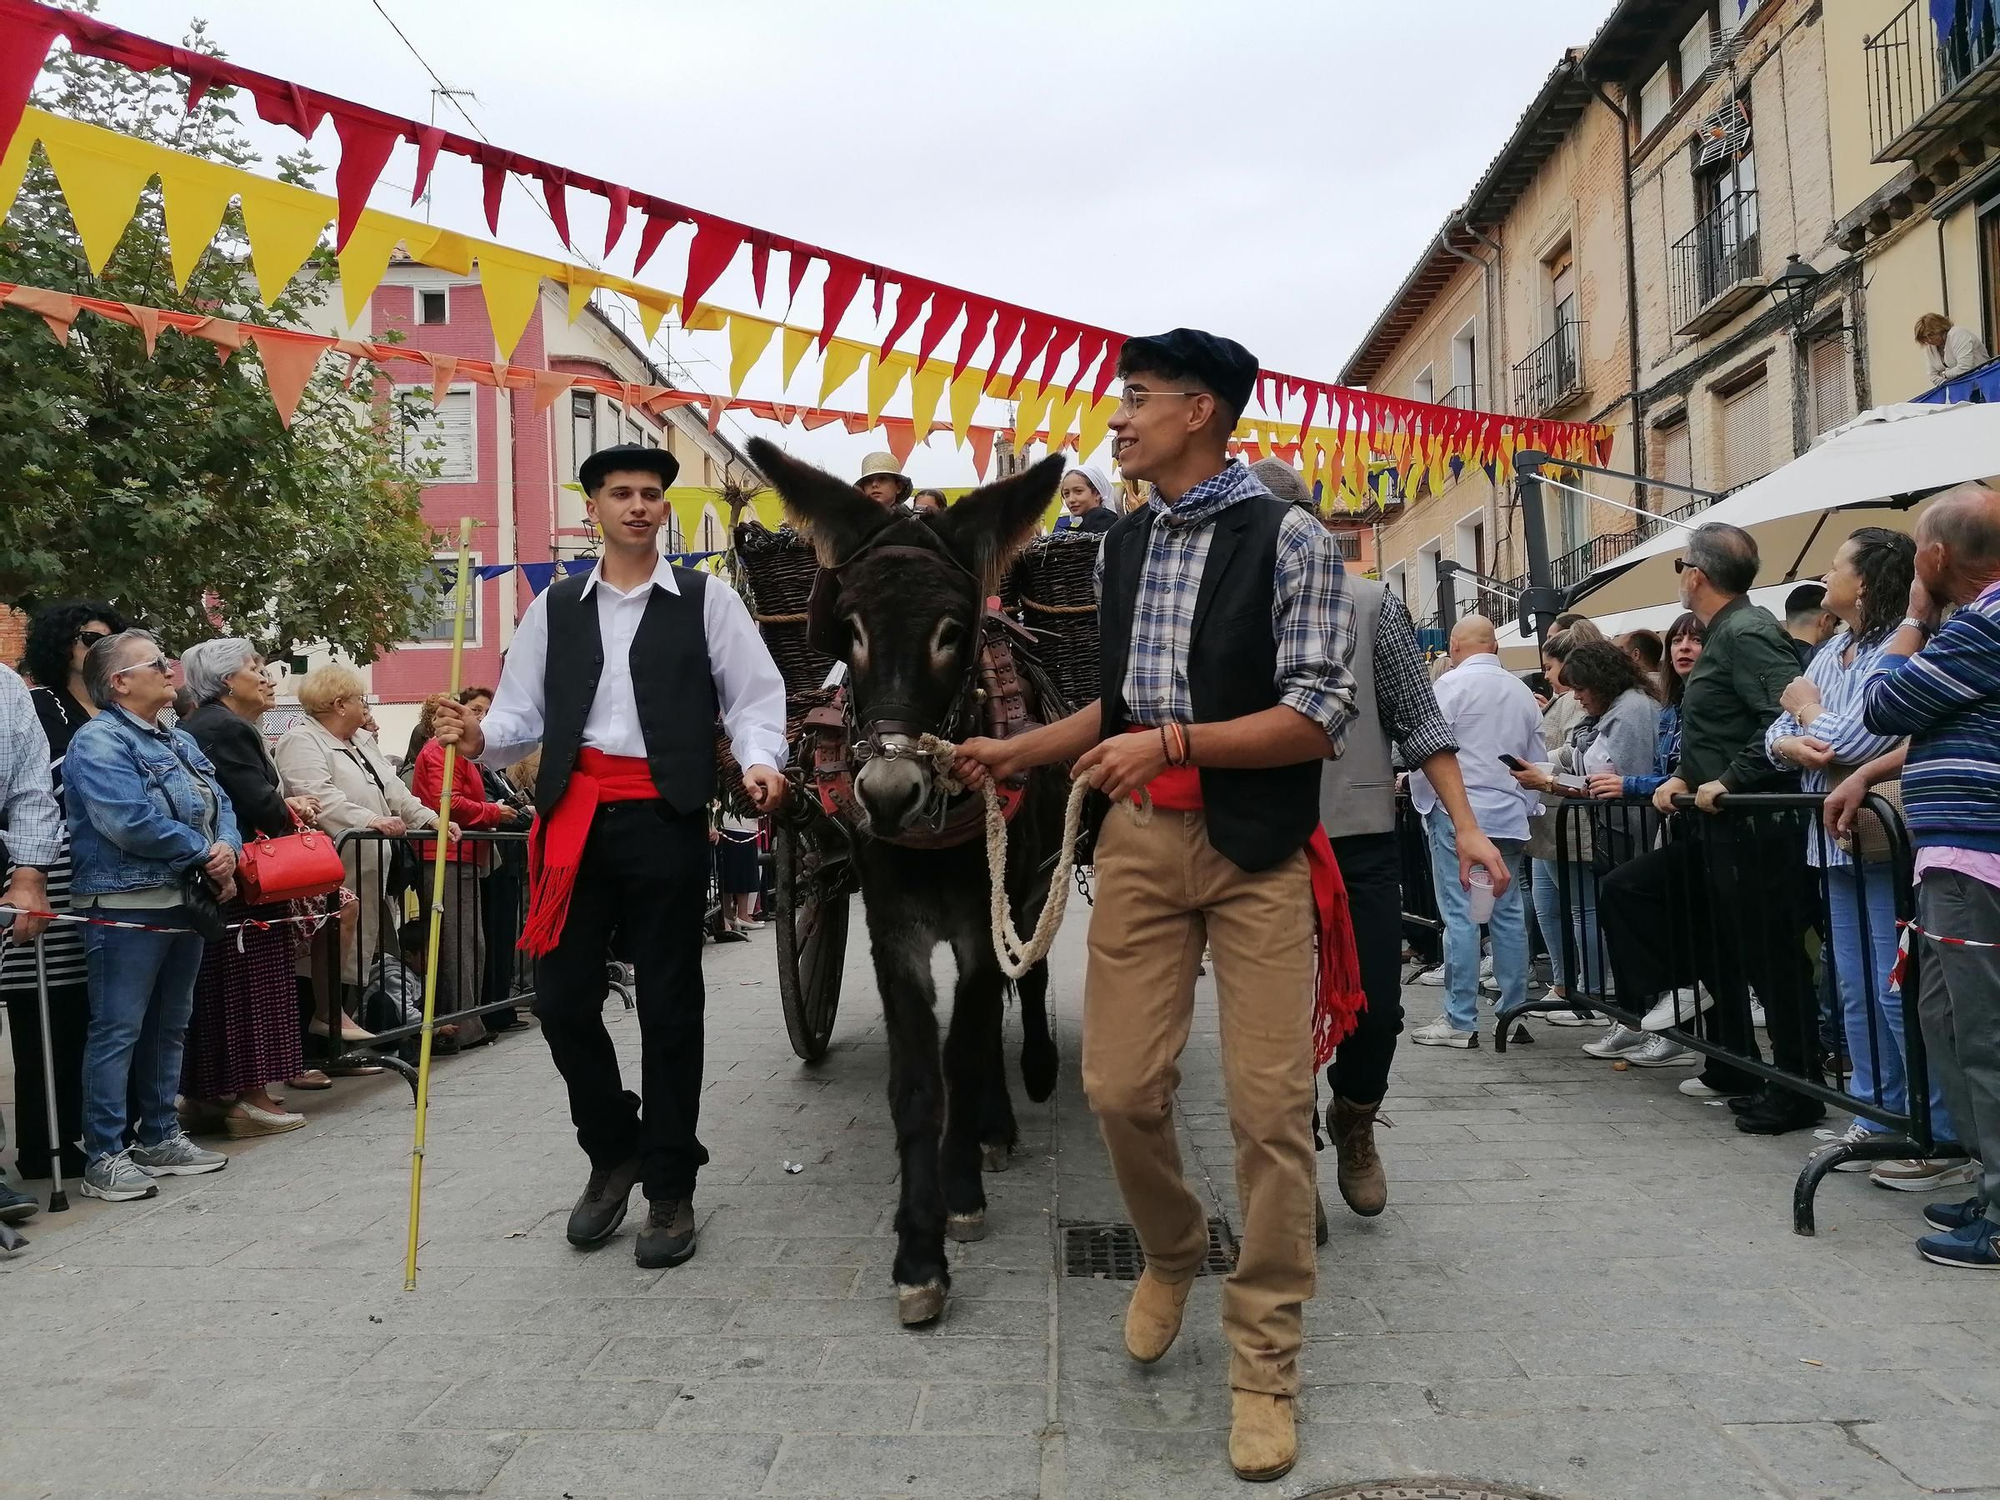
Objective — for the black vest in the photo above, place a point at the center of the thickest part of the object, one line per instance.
(1256, 819)
(671, 680)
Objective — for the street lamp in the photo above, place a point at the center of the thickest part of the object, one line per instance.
(1792, 290)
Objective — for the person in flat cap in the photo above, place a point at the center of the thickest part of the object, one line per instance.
(1393, 705)
(883, 480)
(618, 675)
(1225, 625)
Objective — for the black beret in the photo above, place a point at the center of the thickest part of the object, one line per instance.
(1221, 364)
(627, 456)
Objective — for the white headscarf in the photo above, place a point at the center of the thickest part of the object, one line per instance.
(1093, 476)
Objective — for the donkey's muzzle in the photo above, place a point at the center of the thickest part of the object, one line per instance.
(893, 786)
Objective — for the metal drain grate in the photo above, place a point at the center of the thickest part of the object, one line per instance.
(1110, 1252)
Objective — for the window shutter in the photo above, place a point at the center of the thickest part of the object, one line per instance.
(1832, 385)
(1673, 461)
(457, 461)
(1746, 435)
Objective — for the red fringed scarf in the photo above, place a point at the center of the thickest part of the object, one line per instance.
(555, 846)
(1338, 999)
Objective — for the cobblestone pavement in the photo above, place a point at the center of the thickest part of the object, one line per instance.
(1585, 1284)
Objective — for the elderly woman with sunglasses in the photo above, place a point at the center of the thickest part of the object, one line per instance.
(147, 817)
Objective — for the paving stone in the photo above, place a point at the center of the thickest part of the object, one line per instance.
(144, 1458)
(489, 1402)
(1936, 1452)
(998, 1410)
(360, 1460)
(637, 1463)
(1820, 1458)
(794, 1406)
(694, 1358)
(924, 1465)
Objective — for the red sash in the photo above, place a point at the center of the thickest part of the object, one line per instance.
(1338, 999)
(555, 846)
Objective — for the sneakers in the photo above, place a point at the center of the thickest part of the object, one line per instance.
(1677, 1008)
(17, 1206)
(1616, 1042)
(601, 1209)
(1974, 1246)
(1659, 1052)
(1432, 977)
(668, 1238)
(177, 1156)
(1694, 1088)
(1949, 1216)
(116, 1179)
(1441, 1033)
(1854, 1135)
(1913, 1175)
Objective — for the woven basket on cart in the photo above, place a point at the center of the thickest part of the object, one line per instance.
(780, 567)
(729, 775)
(1051, 589)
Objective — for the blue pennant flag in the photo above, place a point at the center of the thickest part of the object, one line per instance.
(538, 574)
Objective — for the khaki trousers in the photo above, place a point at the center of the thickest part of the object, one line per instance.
(1161, 890)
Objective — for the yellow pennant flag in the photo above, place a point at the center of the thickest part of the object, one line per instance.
(883, 378)
(438, 248)
(194, 198)
(796, 342)
(284, 225)
(102, 191)
(748, 339)
(965, 394)
(926, 386)
(512, 283)
(581, 285)
(843, 357)
(363, 260)
(1093, 426)
(1032, 405)
(1063, 416)
(653, 308)
(705, 320)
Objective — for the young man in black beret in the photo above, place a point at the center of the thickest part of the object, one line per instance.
(1225, 627)
(619, 675)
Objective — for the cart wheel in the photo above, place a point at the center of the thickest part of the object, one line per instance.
(812, 942)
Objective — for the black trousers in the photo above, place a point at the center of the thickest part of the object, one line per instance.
(1371, 867)
(1723, 904)
(69, 1020)
(500, 917)
(643, 884)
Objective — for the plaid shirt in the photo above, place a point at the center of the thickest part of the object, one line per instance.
(1404, 699)
(28, 810)
(1312, 613)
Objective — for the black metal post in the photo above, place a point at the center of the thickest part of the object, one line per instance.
(1541, 602)
(1447, 595)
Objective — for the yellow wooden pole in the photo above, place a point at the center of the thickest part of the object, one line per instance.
(437, 912)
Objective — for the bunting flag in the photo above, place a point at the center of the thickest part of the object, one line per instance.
(102, 174)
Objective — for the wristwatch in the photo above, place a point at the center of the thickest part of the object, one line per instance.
(1911, 622)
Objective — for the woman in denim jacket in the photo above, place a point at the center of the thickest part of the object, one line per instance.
(145, 811)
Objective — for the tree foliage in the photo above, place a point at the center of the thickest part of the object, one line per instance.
(167, 483)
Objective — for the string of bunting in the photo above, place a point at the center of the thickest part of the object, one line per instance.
(1416, 435)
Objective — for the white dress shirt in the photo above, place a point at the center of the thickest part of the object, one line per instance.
(1492, 713)
(747, 682)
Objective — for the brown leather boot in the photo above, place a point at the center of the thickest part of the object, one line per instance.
(1263, 1439)
(1359, 1172)
(1153, 1320)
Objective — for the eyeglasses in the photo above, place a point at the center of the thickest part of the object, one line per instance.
(158, 664)
(89, 638)
(1682, 565)
(1131, 400)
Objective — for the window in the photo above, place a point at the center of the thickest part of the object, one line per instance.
(1573, 517)
(438, 441)
(435, 591)
(635, 432)
(1745, 444)
(1673, 461)
(432, 305)
(1424, 386)
(1655, 100)
(1829, 383)
(1562, 290)
(1694, 51)
(583, 426)
(1464, 369)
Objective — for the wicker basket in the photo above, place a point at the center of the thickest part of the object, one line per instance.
(780, 568)
(1052, 590)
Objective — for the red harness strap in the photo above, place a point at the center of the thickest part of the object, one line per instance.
(1338, 999)
(555, 847)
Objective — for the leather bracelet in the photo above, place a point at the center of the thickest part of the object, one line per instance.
(1166, 746)
(1187, 746)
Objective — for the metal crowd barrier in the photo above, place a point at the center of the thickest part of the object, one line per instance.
(1423, 928)
(1730, 903)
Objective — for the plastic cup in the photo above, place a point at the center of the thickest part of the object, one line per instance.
(1482, 894)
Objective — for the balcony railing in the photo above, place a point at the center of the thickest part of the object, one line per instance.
(1922, 81)
(1465, 397)
(1715, 270)
(1577, 564)
(1552, 374)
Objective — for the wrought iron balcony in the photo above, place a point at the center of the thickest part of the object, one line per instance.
(1926, 81)
(1552, 374)
(1715, 270)
(1465, 397)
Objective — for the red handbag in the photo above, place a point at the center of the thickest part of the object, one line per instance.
(291, 868)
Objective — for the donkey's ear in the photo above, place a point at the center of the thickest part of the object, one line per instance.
(834, 515)
(988, 526)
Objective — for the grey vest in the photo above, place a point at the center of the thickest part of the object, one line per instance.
(1357, 792)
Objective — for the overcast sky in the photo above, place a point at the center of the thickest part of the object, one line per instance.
(1266, 170)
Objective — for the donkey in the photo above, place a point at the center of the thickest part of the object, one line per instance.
(900, 600)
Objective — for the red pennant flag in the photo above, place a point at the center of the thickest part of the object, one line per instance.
(24, 46)
(1087, 351)
(1006, 325)
(945, 308)
(660, 217)
(281, 103)
(495, 176)
(555, 182)
(843, 280)
(200, 77)
(428, 140)
(618, 202)
(289, 358)
(1037, 330)
(1112, 347)
(875, 275)
(795, 274)
(760, 265)
(910, 298)
(982, 448)
(715, 245)
(364, 150)
(1065, 338)
(978, 318)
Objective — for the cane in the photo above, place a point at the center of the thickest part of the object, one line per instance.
(58, 1199)
(437, 917)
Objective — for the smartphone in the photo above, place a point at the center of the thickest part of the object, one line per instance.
(1512, 764)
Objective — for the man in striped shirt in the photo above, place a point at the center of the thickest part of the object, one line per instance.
(1941, 686)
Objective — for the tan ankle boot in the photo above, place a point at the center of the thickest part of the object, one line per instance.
(1359, 1172)
(1153, 1320)
(1263, 1440)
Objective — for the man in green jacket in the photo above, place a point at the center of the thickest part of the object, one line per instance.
(1726, 901)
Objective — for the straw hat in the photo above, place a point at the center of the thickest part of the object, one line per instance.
(885, 463)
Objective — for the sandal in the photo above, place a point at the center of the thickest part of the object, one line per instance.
(312, 1078)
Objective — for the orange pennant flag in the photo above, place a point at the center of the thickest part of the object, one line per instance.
(58, 309)
(289, 358)
(982, 448)
(549, 384)
(444, 369)
(147, 321)
(901, 438)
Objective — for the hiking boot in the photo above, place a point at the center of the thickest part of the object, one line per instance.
(1263, 1438)
(177, 1156)
(601, 1209)
(116, 1180)
(668, 1238)
(1153, 1318)
(1358, 1169)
